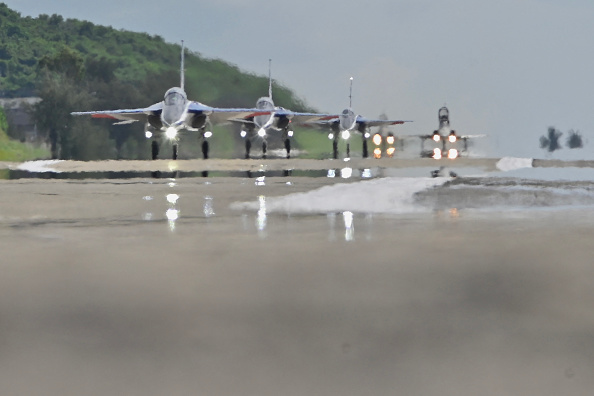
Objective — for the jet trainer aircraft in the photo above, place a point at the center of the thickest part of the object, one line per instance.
(277, 118)
(166, 119)
(344, 124)
(448, 138)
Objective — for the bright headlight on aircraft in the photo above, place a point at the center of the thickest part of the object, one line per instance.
(436, 138)
(452, 153)
(262, 132)
(171, 133)
(148, 134)
(377, 139)
(452, 138)
(437, 153)
(243, 133)
(346, 135)
(377, 153)
(390, 151)
(367, 135)
(290, 133)
(390, 139)
(207, 134)
(331, 136)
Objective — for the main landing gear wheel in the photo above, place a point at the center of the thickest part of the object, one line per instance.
(335, 149)
(175, 151)
(288, 147)
(248, 147)
(154, 149)
(205, 149)
(365, 150)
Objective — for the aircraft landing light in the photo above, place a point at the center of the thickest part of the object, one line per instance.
(436, 138)
(331, 136)
(390, 139)
(262, 132)
(171, 133)
(290, 133)
(390, 151)
(452, 138)
(377, 139)
(436, 153)
(243, 133)
(377, 153)
(452, 153)
(346, 135)
(148, 134)
(207, 134)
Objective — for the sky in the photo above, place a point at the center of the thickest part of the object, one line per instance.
(508, 68)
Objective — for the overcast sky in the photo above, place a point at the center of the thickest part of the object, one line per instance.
(507, 68)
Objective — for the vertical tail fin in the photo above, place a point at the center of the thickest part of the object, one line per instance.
(351, 95)
(270, 78)
(182, 78)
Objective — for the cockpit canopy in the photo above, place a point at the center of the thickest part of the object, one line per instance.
(174, 106)
(265, 103)
(174, 97)
(444, 113)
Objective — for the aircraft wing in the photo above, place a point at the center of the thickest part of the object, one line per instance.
(125, 115)
(303, 118)
(219, 115)
(372, 123)
(322, 123)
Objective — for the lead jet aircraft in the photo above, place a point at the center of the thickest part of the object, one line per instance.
(165, 120)
(278, 119)
(343, 125)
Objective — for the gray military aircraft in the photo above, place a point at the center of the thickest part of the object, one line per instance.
(343, 125)
(167, 118)
(452, 144)
(278, 119)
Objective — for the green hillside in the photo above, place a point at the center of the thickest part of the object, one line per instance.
(130, 57)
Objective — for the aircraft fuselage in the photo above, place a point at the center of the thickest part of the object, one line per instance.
(348, 120)
(265, 121)
(175, 109)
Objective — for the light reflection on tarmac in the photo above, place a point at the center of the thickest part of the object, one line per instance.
(156, 286)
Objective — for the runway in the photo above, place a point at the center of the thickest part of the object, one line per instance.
(218, 285)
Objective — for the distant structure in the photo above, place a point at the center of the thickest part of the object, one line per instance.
(21, 123)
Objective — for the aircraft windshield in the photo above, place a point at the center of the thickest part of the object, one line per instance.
(175, 103)
(174, 99)
(264, 104)
(443, 113)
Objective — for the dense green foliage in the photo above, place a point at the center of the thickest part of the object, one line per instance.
(126, 56)
(76, 66)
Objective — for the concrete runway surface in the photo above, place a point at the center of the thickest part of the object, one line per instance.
(156, 286)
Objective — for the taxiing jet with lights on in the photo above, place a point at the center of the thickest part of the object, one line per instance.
(447, 138)
(343, 125)
(165, 120)
(277, 119)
